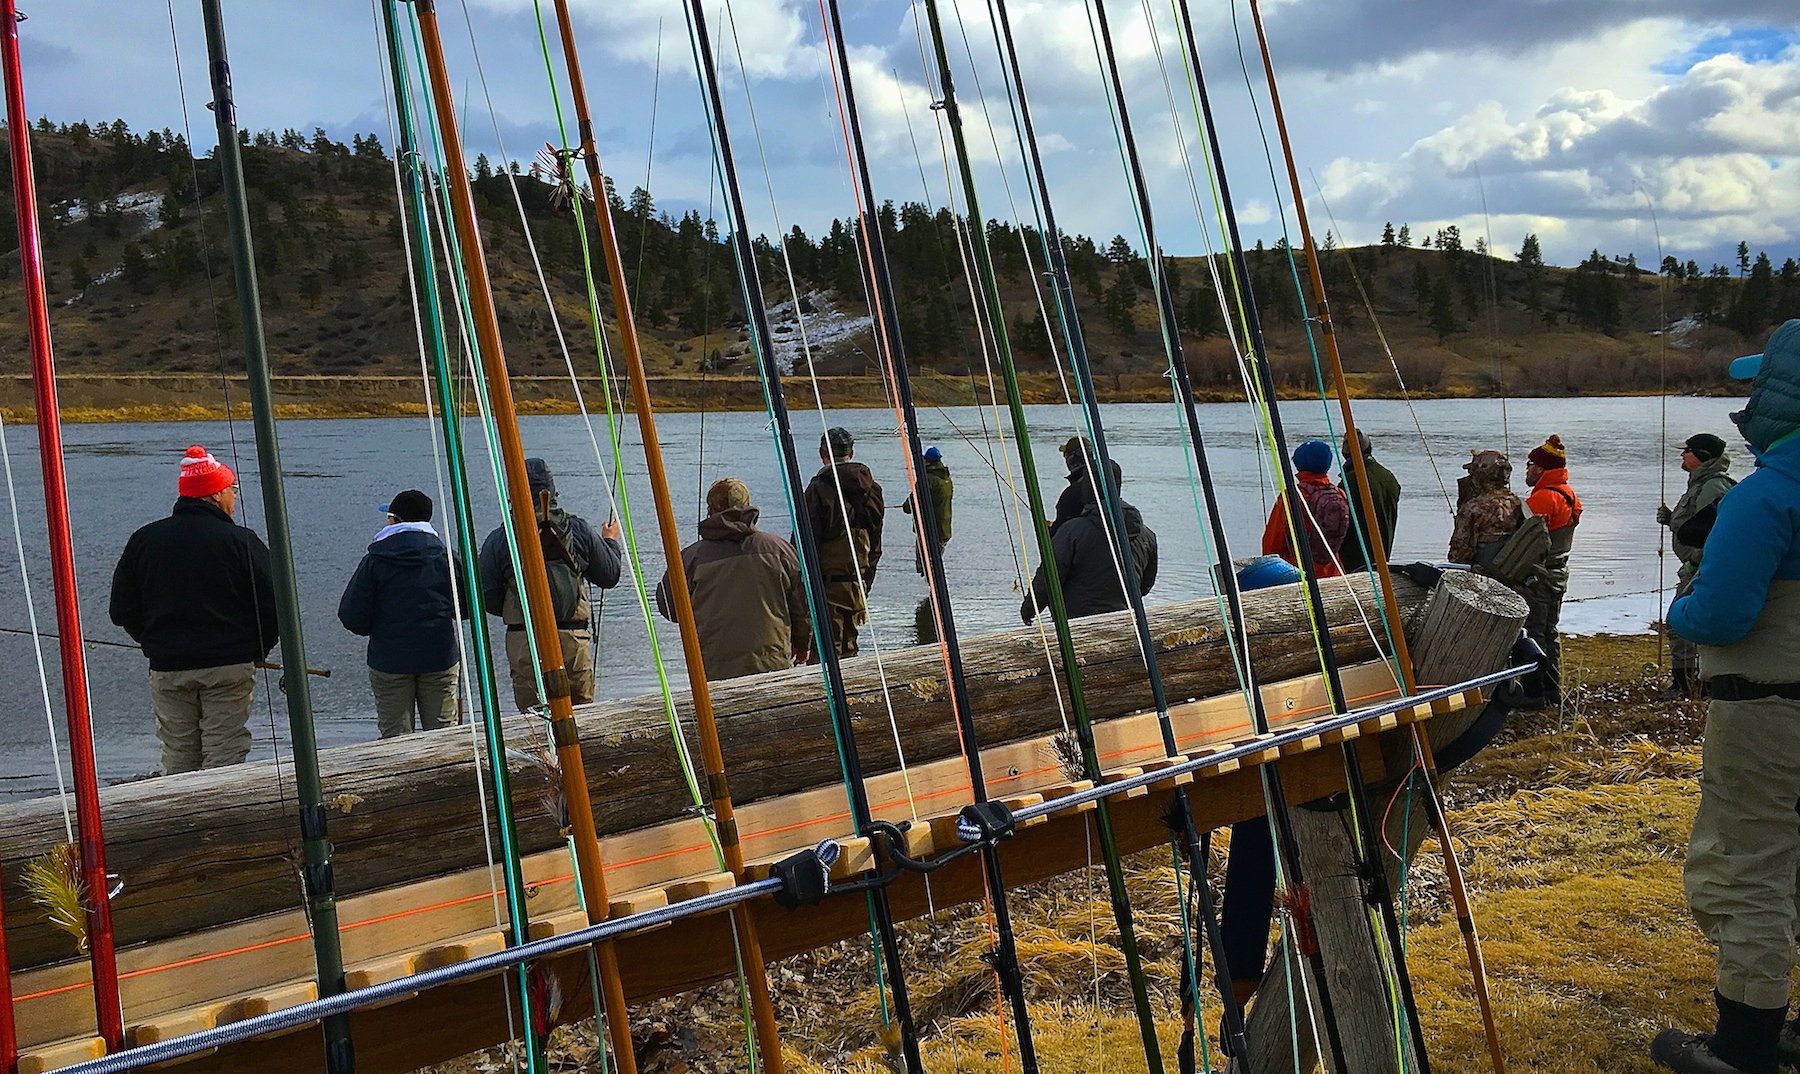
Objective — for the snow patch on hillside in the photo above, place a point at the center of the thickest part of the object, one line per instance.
(818, 326)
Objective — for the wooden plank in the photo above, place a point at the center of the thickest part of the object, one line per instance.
(66, 1053)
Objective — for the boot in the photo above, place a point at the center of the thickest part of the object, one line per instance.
(1787, 1046)
(1746, 1041)
(1679, 687)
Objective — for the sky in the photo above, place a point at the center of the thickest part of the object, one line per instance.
(1619, 125)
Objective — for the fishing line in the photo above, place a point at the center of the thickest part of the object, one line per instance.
(37, 644)
(1662, 393)
(1494, 310)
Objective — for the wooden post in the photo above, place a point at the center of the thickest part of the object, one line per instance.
(1467, 627)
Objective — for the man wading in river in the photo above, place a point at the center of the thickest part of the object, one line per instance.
(1744, 854)
(194, 590)
(573, 557)
(845, 507)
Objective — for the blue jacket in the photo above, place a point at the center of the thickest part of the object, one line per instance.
(1756, 541)
(400, 598)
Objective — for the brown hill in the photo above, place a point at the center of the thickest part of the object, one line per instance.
(140, 284)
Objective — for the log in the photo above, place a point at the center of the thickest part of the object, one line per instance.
(1471, 621)
(206, 848)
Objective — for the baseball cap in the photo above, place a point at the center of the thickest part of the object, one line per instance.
(1745, 368)
(409, 506)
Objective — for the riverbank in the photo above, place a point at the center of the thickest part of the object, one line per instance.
(167, 397)
(1572, 830)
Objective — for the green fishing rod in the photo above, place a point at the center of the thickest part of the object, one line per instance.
(315, 873)
(407, 155)
(1065, 638)
(1005, 945)
(1365, 839)
(836, 696)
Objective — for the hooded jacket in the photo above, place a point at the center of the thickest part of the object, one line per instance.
(402, 600)
(194, 590)
(604, 557)
(943, 497)
(1744, 610)
(1085, 565)
(749, 605)
(1709, 482)
(1487, 510)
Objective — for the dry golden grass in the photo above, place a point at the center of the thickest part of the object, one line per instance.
(1572, 831)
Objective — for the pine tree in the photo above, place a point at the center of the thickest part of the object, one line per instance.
(1531, 259)
(1405, 234)
(1421, 287)
(1120, 304)
(1387, 235)
(1743, 259)
(1443, 310)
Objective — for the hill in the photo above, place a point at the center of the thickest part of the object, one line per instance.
(138, 269)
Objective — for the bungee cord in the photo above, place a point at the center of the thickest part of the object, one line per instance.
(837, 698)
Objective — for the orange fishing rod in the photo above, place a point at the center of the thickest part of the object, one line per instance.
(535, 584)
(1390, 608)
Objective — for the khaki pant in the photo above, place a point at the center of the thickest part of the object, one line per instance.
(397, 697)
(844, 600)
(1743, 860)
(578, 662)
(202, 716)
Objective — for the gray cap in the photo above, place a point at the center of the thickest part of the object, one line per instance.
(537, 475)
(837, 441)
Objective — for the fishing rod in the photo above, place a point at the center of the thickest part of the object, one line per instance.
(930, 531)
(533, 583)
(1389, 605)
(1065, 638)
(110, 1018)
(409, 162)
(316, 877)
(762, 1007)
(750, 280)
(1365, 841)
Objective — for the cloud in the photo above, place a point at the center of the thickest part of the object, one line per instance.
(1715, 149)
(1353, 34)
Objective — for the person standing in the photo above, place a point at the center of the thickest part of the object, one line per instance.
(845, 507)
(1324, 511)
(1085, 564)
(1743, 611)
(1488, 512)
(943, 496)
(194, 590)
(1384, 489)
(402, 599)
(1708, 468)
(1551, 499)
(573, 558)
(749, 604)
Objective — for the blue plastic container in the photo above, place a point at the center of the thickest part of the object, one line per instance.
(1265, 571)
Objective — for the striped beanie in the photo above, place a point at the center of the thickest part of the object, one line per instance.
(202, 475)
(1550, 455)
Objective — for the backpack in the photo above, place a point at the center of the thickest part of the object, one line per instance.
(1327, 510)
(1516, 558)
(564, 566)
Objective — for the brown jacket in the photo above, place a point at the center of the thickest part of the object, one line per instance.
(843, 554)
(749, 606)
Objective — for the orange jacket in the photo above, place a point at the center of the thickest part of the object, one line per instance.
(1554, 501)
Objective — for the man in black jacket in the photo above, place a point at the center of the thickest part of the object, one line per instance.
(194, 590)
(1085, 563)
(401, 599)
(573, 557)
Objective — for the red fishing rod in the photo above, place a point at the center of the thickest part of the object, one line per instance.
(108, 1017)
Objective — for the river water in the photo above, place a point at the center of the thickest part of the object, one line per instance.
(339, 472)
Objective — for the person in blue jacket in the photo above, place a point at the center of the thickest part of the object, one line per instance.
(1744, 855)
(402, 600)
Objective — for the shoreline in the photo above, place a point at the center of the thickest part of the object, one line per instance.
(93, 398)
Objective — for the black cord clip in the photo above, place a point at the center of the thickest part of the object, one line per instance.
(805, 877)
(984, 822)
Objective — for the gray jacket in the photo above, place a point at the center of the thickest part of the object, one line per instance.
(1709, 481)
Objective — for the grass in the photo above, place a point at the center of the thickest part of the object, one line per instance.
(1572, 831)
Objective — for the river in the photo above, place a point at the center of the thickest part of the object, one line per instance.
(339, 472)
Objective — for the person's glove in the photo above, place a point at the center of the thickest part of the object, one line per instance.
(1663, 515)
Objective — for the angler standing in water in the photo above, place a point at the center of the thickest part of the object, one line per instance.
(848, 554)
(573, 557)
(1744, 854)
(194, 589)
(1708, 468)
(1384, 489)
(943, 497)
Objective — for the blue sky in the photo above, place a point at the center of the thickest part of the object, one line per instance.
(1569, 111)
